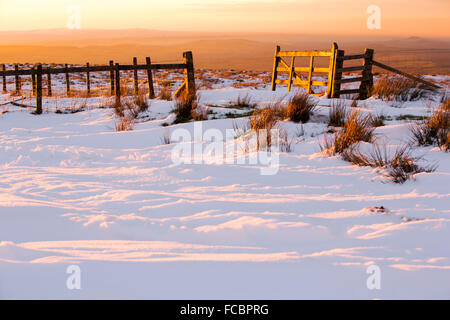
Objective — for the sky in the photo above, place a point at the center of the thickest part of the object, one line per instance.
(396, 17)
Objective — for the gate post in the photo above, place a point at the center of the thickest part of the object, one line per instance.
(338, 73)
(189, 72)
(367, 82)
(275, 69)
(332, 70)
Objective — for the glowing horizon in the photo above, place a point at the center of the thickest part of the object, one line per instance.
(403, 17)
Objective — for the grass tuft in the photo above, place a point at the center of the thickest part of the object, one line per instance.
(166, 138)
(399, 168)
(124, 124)
(300, 107)
(141, 102)
(338, 112)
(263, 121)
(445, 101)
(166, 90)
(356, 128)
(185, 104)
(285, 142)
(399, 88)
(377, 120)
(434, 130)
(242, 102)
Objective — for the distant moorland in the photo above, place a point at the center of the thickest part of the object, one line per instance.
(240, 51)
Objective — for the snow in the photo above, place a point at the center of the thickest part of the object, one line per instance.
(75, 192)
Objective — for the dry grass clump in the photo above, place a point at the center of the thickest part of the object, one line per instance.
(141, 102)
(434, 130)
(399, 88)
(300, 107)
(130, 106)
(338, 113)
(200, 113)
(166, 138)
(119, 108)
(399, 168)
(377, 120)
(264, 118)
(185, 104)
(263, 121)
(75, 107)
(166, 90)
(445, 101)
(241, 128)
(128, 110)
(356, 128)
(124, 124)
(242, 102)
(285, 142)
(355, 103)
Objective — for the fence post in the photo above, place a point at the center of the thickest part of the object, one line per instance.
(33, 80)
(67, 80)
(39, 89)
(332, 69)
(275, 69)
(367, 82)
(49, 83)
(4, 78)
(111, 75)
(189, 72)
(117, 77)
(337, 73)
(88, 79)
(16, 68)
(151, 89)
(291, 73)
(135, 75)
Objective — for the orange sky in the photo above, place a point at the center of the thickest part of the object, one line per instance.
(398, 17)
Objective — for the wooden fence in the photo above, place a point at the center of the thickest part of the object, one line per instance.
(36, 73)
(365, 79)
(335, 70)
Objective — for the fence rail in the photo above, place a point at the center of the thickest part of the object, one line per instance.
(386, 67)
(36, 73)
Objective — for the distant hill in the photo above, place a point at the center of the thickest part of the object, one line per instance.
(250, 51)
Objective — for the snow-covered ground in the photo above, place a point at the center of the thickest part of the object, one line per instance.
(75, 192)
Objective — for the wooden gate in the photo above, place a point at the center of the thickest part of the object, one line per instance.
(335, 71)
(294, 78)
